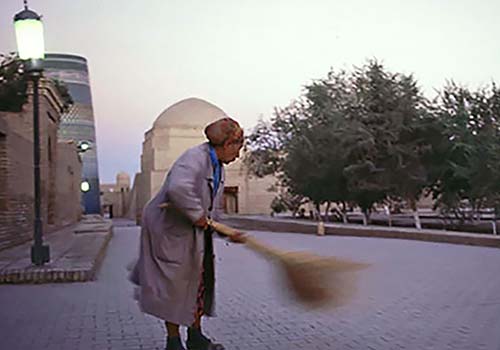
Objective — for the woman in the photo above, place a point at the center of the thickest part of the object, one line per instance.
(175, 270)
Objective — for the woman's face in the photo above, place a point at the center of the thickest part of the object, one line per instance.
(230, 151)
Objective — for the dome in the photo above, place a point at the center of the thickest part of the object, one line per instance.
(189, 113)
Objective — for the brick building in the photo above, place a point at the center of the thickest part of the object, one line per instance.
(60, 169)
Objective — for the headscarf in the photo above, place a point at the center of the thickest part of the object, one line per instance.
(224, 130)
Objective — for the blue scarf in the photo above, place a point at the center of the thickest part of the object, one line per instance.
(217, 169)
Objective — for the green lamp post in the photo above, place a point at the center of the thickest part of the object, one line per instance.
(31, 49)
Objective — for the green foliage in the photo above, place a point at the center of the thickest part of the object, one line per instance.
(12, 84)
(466, 159)
(370, 136)
(349, 138)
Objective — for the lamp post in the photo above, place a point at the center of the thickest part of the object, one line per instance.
(30, 44)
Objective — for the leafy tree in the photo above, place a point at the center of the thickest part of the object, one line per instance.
(466, 160)
(393, 114)
(12, 84)
(349, 139)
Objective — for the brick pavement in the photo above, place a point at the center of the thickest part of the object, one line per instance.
(416, 295)
(75, 254)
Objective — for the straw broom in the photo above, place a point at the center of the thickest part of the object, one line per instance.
(313, 280)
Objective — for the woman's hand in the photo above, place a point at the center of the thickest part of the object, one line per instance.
(238, 237)
(202, 222)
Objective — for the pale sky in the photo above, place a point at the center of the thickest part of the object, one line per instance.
(248, 57)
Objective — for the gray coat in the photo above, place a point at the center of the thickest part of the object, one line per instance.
(169, 268)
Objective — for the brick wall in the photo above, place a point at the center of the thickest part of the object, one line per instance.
(16, 207)
(16, 172)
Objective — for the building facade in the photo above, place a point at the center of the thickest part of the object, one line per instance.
(115, 198)
(60, 171)
(78, 123)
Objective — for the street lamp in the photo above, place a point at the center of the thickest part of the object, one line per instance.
(30, 45)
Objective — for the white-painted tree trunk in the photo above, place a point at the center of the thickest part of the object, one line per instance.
(317, 213)
(327, 211)
(344, 217)
(389, 216)
(418, 224)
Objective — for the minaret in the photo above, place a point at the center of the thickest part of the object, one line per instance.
(78, 123)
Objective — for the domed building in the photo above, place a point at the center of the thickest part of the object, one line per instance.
(178, 128)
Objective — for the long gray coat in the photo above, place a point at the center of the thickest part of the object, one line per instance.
(169, 268)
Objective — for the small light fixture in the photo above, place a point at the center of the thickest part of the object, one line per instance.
(83, 146)
(85, 186)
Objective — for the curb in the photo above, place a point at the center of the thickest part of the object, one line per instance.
(452, 237)
(96, 265)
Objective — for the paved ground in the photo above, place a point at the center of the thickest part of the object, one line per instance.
(416, 295)
(75, 253)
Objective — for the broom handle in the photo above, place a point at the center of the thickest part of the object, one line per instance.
(250, 241)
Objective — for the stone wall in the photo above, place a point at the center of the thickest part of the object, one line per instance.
(68, 207)
(115, 198)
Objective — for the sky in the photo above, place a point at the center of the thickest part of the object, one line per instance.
(248, 57)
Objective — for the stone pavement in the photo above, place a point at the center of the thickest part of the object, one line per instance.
(416, 295)
(75, 251)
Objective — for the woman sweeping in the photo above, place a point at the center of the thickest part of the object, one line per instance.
(175, 270)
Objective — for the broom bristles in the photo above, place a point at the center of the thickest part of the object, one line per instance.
(314, 281)
(318, 281)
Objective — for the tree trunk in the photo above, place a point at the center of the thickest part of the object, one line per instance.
(418, 224)
(476, 213)
(325, 218)
(317, 212)
(389, 216)
(344, 213)
(416, 217)
(494, 223)
(366, 217)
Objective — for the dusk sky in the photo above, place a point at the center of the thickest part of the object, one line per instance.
(248, 57)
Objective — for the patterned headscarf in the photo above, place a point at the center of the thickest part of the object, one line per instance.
(224, 130)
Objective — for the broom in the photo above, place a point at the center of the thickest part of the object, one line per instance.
(313, 280)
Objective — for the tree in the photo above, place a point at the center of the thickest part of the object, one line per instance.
(350, 138)
(466, 161)
(393, 115)
(12, 84)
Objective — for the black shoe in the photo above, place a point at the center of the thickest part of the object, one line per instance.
(174, 343)
(197, 341)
